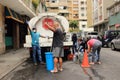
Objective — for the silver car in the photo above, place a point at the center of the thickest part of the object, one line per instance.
(115, 43)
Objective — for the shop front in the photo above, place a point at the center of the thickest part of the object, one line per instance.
(101, 27)
(114, 22)
(15, 30)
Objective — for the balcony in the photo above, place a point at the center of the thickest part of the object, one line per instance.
(63, 11)
(75, 19)
(63, 4)
(29, 4)
(75, 5)
(48, 4)
(53, 11)
(75, 12)
(23, 7)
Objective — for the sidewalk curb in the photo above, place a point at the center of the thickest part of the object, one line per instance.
(12, 68)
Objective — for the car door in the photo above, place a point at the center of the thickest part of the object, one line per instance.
(117, 42)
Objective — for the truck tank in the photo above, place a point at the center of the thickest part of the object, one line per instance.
(38, 23)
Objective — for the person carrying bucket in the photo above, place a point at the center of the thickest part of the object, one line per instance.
(57, 45)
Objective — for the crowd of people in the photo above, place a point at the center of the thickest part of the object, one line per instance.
(91, 45)
(57, 45)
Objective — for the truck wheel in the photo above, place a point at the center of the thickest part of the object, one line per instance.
(112, 47)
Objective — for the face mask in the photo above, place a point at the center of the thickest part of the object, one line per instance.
(34, 30)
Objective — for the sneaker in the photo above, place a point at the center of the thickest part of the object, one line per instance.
(42, 63)
(98, 62)
(54, 71)
(92, 63)
(61, 69)
(35, 64)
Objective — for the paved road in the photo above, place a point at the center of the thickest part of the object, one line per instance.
(108, 70)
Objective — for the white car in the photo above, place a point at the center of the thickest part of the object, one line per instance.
(115, 43)
(92, 34)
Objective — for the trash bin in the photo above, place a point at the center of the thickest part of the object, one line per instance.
(49, 61)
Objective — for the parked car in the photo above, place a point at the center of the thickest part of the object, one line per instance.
(115, 43)
(109, 36)
(92, 34)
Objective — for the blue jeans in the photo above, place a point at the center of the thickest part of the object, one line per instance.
(38, 49)
(96, 54)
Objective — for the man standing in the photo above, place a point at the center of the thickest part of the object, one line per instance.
(74, 39)
(94, 45)
(57, 45)
(35, 45)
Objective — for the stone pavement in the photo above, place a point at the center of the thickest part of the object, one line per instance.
(10, 60)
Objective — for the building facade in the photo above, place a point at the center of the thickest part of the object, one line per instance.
(114, 16)
(71, 9)
(57, 6)
(2, 35)
(100, 14)
(89, 13)
(12, 23)
(82, 14)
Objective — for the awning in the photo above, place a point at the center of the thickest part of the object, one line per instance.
(10, 14)
(117, 25)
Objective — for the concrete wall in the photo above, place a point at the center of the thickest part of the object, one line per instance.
(89, 13)
(2, 35)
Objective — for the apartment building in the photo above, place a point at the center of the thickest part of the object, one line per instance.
(57, 6)
(71, 9)
(82, 14)
(13, 14)
(100, 16)
(89, 13)
(66, 8)
(114, 16)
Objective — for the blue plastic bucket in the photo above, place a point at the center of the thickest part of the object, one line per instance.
(49, 61)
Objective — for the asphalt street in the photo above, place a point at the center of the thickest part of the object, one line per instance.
(108, 70)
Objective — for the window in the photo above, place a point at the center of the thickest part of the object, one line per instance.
(101, 10)
(75, 8)
(62, 14)
(47, 0)
(75, 2)
(82, 2)
(100, 2)
(54, 8)
(83, 26)
(75, 15)
(119, 7)
(63, 7)
(53, 1)
(112, 10)
(82, 8)
(82, 14)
